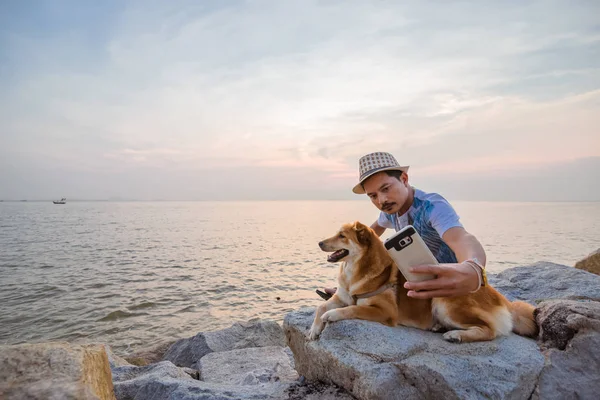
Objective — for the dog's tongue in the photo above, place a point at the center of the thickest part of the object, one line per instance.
(337, 255)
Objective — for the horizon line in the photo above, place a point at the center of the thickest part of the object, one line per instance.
(262, 200)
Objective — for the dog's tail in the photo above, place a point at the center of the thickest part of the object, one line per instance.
(523, 320)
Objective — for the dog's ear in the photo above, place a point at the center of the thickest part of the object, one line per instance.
(362, 233)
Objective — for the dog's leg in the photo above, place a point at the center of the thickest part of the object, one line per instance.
(478, 333)
(318, 323)
(368, 313)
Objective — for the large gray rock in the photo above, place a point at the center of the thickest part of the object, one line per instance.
(254, 333)
(162, 369)
(544, 281)
(249, 366)
(376, 362)
(264, 372)
(373, 361)
(55, 370)
(570, 338)
(166, 381)
(133, 382)
(591, 263)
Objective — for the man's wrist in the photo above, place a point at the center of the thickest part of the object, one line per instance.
(477, 273)
(474, 262)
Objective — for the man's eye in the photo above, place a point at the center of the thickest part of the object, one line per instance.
(384, 190)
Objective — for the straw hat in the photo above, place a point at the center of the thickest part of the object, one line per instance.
(373, 163)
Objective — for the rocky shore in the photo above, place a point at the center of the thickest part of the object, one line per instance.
(260, 359)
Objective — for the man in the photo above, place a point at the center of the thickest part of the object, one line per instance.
(460, 255)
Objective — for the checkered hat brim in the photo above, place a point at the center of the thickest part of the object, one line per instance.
(373, 163)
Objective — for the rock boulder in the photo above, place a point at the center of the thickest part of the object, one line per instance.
(373, 361)
(591, 263)
(250, 366)
(254, 333)
(239, 362)
(570, 340)
(56, 370)
(545, 281)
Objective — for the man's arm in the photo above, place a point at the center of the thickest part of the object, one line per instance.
(464, 245)
(452, 279)
(377, 228)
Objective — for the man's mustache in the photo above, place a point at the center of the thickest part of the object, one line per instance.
(387, 205)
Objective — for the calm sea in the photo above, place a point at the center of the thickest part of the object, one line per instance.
(135, 274)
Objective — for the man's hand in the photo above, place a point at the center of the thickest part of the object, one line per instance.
(452, 280)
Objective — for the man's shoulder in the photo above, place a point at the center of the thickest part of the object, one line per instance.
(437, 211)
(429, 198)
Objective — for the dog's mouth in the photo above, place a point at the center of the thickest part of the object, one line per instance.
(337, 255)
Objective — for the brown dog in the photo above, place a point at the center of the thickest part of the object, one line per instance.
(371, 287)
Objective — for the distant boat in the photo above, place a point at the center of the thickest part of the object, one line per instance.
(61, 201)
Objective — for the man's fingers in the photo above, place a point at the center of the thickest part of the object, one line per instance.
(429, 294)
(432, 284)
(427, 269)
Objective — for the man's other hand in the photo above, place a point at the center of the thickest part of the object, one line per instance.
(452, 280)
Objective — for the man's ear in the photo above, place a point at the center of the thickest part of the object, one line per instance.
(404, 178)
(362, 233)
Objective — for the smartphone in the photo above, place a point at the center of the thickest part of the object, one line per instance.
(408, 249)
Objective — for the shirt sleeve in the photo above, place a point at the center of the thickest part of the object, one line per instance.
(384, 221)
(443, 216)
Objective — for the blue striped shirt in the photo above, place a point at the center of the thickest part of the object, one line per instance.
(431, 215)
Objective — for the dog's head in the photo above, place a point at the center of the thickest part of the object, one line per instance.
(350, 241)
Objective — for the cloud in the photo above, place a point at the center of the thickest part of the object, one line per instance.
(510, 133)
(298, 86)
(568, 181)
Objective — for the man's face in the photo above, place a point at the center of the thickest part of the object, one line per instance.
(386, 192)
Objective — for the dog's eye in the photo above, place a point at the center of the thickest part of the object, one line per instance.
(342, 236)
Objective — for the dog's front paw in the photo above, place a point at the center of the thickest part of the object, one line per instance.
(314, 332)
(453, 336)
(331, 316)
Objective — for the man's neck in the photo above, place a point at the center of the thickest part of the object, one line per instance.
(409, 201)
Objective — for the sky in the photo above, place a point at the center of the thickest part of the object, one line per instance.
(277, 100)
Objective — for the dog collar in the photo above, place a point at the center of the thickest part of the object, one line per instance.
(382, 289)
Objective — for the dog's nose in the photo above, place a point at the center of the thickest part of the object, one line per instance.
(321, 244)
